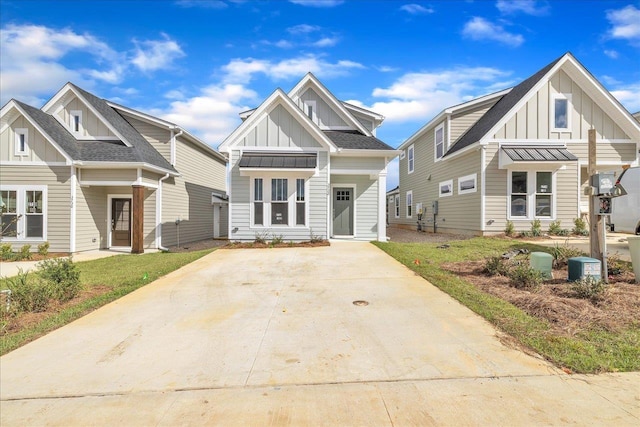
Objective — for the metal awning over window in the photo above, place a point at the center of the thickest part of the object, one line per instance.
(522, 154)
(279, 161)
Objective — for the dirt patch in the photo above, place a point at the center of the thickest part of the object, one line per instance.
(254, 245)
(555, 301)
(199, 245)
(402, 235)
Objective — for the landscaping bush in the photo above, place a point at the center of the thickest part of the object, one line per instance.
(588, 287)
(43, 249)
(276, 240)
(509, 228)
(580, 227)
(536, 228)
(615, 265)
(495, 266)
(25, 253)
(261, 238)
(525, 277)
(29, 292)
(64, 277)
(6, 253)
(314, 238)
(561, 254)
(556, 230)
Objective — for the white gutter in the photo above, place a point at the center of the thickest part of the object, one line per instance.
(174, 138)
(159, 214)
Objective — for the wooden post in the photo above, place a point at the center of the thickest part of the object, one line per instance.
(595, 220)
(137, 244)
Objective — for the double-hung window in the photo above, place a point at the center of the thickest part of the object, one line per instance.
(439, 141)
(409, 204)
(300, 202)
(279, 201)
(397, 205)
(531, 194)
(258, 202)
(410, 159)
(23, 213)
(519, 190)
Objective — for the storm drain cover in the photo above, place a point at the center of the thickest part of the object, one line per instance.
(361, 302)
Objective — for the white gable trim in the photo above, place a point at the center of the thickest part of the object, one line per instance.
(12, 104)
(51, 104)
(278, 97)
(310, 81)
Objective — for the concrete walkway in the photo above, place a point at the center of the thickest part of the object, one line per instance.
(272, 337)
(616, 244)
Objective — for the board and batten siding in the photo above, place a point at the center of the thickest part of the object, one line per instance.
(39, 149)
(158, 137)
(279, 129)
(366, 203)
(325, 116)
(533, 120)
(92, 126)
(57, 181)
(241, 205)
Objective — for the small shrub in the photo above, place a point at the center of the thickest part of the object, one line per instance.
(276, 240)
(536, 228)
(64, 277)
(580, 227)
(495, 266)
(261, 238)
(6, 252)
(315, 238)
(509, 228)
(43, 249)
(29, 293)
(24, 253)
(526, 233)
(561, 254)
(588, 287)
(525, 277)
(555, 228)
(615, 266)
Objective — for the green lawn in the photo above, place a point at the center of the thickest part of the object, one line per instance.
(121, 274)
(592, 351)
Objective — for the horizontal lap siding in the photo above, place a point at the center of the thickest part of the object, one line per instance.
(39, 149)
(91, 218)
(159, 138)
(104, 175)
(149, 226)
(57, 180)
(366, 204)
(461, 122)
(357, 163)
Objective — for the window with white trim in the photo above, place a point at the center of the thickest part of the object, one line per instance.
(402, 155)
(561, 112)
(445, 188)
(300, 202)
(410, 159)
(409, 204)
(75, 117)
(23, 213)
(438, 138)
(467, 184)
(279, 201)
(22, 141)
(531, 194)
(258, 202)
(397, 206)
(310, 110)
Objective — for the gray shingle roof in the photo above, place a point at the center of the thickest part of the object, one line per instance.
(519, 153)
(355, 140)
(500, 108)
(285, 161)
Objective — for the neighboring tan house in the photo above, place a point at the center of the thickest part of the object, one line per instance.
(84, 173)
(304, 165)
(516, 155)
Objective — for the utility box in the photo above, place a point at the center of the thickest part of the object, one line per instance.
(542, 262)
(583, 266)
(604, 206)
(603, 183)
(434, 207)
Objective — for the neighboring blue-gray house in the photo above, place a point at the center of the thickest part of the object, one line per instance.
(305, 165)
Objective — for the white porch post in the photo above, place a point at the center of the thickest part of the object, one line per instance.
(382, 206)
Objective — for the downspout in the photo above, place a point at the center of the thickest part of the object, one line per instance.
(174, 138)
(72, 215)
(159, 214)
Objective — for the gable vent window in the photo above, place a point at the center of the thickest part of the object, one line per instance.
(310, 110)
(76, 121)
(561, 112)
(22, 142)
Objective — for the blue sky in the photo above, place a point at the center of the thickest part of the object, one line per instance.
(200, 63)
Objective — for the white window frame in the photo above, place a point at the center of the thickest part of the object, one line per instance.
(267, 203)
(435, 142)
(531, 195)
(473, 177)
(21, 225)
(443, 183)
(554, 98)
(72, 114)
(305, 202)
(409, 204)
(314, 116)
(402, 155)
(411, 159)
(21, 151)
(397, 205)
(254, 200)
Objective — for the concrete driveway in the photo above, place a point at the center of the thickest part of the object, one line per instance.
(272, 337)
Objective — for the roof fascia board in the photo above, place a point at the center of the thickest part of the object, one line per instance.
(123, 165)
(354, 152)
(64, 154)
(476, 101)
(423, 129)
(363, 111)
(278, 97)
(310, 80)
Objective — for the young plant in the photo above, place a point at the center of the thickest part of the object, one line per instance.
(29, 293)
(580, 227)
(509, 228)
(25, 253)
(588, 287)
(495, 266)
(6, 252)
(43, 249)
(554, 228)
(276, 240)
(64, 277)
(536, 228)
(525, 277)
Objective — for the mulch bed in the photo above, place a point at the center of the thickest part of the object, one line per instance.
(554, 300)
(37, 257)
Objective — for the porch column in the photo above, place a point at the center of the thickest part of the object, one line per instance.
(137, 241)
(382, 206)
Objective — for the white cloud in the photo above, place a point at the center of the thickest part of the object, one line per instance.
(208, 4)
(613, 54)
(221, 102)
(386, 69)
(628, 95)
(303, 29)
(326, 42)
(31, 56)
(625, 23)
(174, 94)
(529, 7)
(317, 3)
(415, 9)
(242, 70)
(152, 55)
(481, 29)
(420, 96)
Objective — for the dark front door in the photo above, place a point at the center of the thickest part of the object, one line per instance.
(120, 222)
(343, 211)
